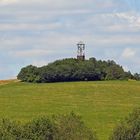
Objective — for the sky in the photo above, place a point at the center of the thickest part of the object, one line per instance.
(38, 32)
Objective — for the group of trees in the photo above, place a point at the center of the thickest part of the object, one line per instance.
(75, 70)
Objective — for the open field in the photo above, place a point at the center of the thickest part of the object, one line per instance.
(101, 104)
(2, 82)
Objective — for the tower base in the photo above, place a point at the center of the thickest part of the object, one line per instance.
(81, 58)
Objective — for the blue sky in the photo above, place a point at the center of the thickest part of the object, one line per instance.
(40, 31)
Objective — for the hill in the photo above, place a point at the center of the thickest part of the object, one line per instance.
(75, 70)
(101, 104)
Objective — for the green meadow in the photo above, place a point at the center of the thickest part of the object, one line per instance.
(102, 105)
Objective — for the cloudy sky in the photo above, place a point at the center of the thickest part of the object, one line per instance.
(40, 31)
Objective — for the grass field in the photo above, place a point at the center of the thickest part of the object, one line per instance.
(101, 104)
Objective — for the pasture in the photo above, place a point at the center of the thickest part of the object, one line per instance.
(102, 104)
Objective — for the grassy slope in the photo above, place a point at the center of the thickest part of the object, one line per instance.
(101, 104)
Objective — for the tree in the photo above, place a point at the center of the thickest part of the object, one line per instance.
(29, 74)
(129, 129)
(71, 127)
(137, 76)
(114, 72)
(128, 75)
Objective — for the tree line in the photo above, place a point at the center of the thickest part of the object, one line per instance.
(71, 69)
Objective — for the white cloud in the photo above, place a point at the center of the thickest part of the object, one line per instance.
(7, 2)
(126, 68)
(50, 4)
(128, 53)
(40, 63)
(30, 53)
(127, 16)
(29, 26)
(55, 5)
(132, 18)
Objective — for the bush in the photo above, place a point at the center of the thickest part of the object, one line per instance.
(60, 127)
(129, 129)
(39, 129)
(10, 130)
(71, 127)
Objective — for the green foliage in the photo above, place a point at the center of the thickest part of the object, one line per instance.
(70, 127)
(137, 76)
(39, 129)
(73, 70)
(129, 129)
(60, 127)
(129, 76)
(10, 130)
(29, 74)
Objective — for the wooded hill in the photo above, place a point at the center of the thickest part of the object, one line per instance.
(71, 69)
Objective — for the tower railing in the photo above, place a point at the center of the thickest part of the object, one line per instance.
(81, 51)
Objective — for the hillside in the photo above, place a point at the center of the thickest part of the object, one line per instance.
(71, 69)
(101, 104)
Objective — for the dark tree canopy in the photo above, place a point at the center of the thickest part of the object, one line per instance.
(74, 70)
